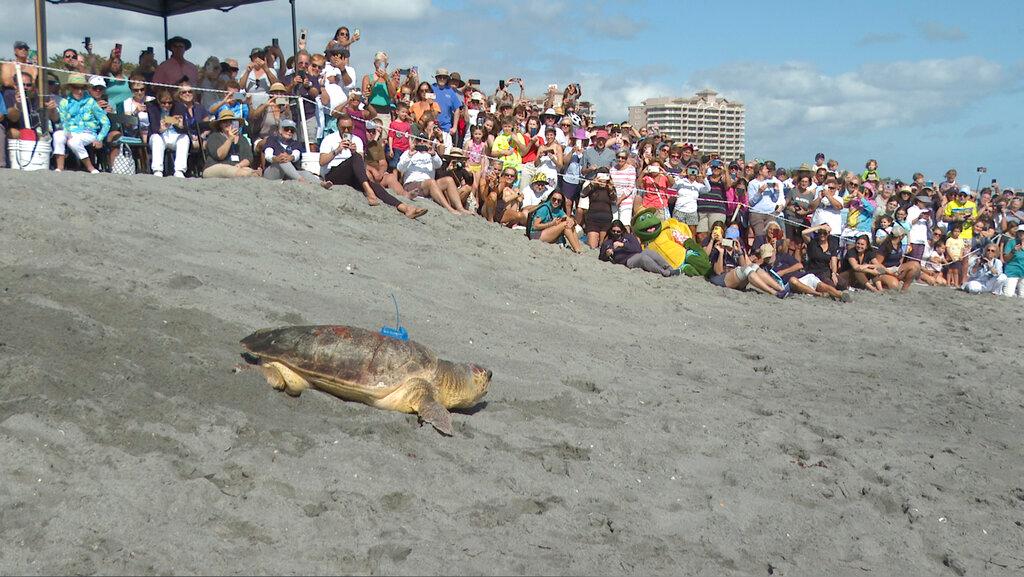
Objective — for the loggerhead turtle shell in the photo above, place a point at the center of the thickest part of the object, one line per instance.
(345, 355)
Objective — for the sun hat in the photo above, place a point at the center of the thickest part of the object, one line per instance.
(804, 167)
(906, 189)
(277, 87)
(923, 198)
(185, 41)
(550, 112)
(457, 153)
(442, 72)
(287, 123)
(766, 250)
(226, 115)
(76, 80)
(455, 79)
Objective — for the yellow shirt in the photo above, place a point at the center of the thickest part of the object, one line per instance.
(502, 143)
(970, 211)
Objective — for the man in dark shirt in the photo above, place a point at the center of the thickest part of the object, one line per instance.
(305, 83)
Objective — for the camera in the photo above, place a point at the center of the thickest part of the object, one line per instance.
(728, 243)
(459, 165)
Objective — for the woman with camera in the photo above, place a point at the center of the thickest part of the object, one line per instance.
(985, 273)
(341, 162)
(228, 152)
(550, 224)
(168, 132)
(732, 268)
(418, 166)
(1013, 261)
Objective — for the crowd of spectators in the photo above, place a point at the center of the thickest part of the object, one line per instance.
(538, 165)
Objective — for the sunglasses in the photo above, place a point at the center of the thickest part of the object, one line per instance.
(138, 89)
(674, 155)
(622, 157)
(557, 199)
(507, 175)
(66, 56)
(184, 93)
(166, 102)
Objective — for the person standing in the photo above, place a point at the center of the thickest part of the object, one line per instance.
(175, 68)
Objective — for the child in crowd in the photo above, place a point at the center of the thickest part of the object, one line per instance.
(956, 248)
(398, 133)
(934, 261)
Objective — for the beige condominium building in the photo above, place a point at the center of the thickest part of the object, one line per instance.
(706, 120)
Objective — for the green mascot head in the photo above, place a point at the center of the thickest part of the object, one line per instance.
(646, 225)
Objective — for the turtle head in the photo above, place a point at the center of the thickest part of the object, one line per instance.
(462, 385)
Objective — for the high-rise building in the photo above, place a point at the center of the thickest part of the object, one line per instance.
(708, 121)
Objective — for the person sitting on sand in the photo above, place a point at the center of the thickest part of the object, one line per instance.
(985, 273)
(280, 154)
(623, 247)
(822, 253)
(898, 268)
(418, 166)
(732, 268)
(550, 224)
(859, 268)
(377, 162)
(341, 162)
(228, 152)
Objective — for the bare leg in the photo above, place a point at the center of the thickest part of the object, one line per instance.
(801, 288)
(572, 237)
(451, 191)
(438, 196)
(593, 239)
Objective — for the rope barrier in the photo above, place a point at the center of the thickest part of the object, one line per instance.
(583, 180)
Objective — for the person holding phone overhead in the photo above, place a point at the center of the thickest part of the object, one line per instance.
(381, 86)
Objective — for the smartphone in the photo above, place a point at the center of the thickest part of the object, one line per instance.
(149, 49)
(273, 42)
(403, 71)
(415, 70)
(552, 87)
(501, 85)
(88, 41)
(993, 181)
(474, 81)
(346, 137)
(355, 33)
(431, 96)
(32, 55)
(117, 50)
(302, 35)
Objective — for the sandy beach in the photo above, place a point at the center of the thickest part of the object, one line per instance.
(634, 425)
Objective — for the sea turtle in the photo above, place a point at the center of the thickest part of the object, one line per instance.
(360, 365)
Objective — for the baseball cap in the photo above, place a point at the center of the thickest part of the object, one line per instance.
(923, 198)
(601, 133)
(20, 44)
(820, 155)
(716, 163)
(965, 190)
(97, 81)
(370, 125)
(286, 123)
(477, 96)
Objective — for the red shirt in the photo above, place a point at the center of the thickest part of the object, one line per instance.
(531, 154)
(401, 141)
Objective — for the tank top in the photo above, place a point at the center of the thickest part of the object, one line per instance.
(380, 98)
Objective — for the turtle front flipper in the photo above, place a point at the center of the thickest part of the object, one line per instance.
(419, 396)
(284, 379)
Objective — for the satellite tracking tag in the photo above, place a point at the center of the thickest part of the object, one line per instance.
(396, 332)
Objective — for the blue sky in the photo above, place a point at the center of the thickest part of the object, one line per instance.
(917, 85)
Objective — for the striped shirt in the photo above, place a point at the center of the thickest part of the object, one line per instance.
(624, 181)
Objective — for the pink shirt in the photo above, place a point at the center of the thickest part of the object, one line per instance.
(171, 71)
(624, 181)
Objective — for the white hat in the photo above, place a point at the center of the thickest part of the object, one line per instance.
(476, 96)
(97, 81)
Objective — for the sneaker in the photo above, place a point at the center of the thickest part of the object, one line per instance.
(845, 297)
(785, 292)
(94, 171)
(158, 174)
(179, 174)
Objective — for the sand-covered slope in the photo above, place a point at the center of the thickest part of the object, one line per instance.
(634, 425)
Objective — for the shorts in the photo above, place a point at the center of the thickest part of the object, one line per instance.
(415, 189)
(597, 222)
(625, 214)
(534, 235)
(718, 279)
(705, 220)
(811, 280)
(742, 272)
(570, 191)
(687, 218)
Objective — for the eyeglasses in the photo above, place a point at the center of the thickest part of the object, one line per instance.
(556, 199)
(675, 155)
(343, 34)
(345, 128)
(138, 89)
(509, 175)
(622, 157)
(97, 88)
(168, 102)
(184, 93)
(66, 56)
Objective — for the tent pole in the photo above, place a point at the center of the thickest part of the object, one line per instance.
(167, 54)
(295, 36)
(41, 57)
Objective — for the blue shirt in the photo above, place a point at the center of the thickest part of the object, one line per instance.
(449, 101)
(1015, 266)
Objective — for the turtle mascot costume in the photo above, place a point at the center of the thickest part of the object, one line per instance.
(672, 241)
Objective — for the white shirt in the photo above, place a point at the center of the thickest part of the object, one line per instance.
(332, 141)
(828, 214)
(688, 192)
(418, 166)
(918, 230)
(331, 70)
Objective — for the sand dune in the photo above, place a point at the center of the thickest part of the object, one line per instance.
(634, 425)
